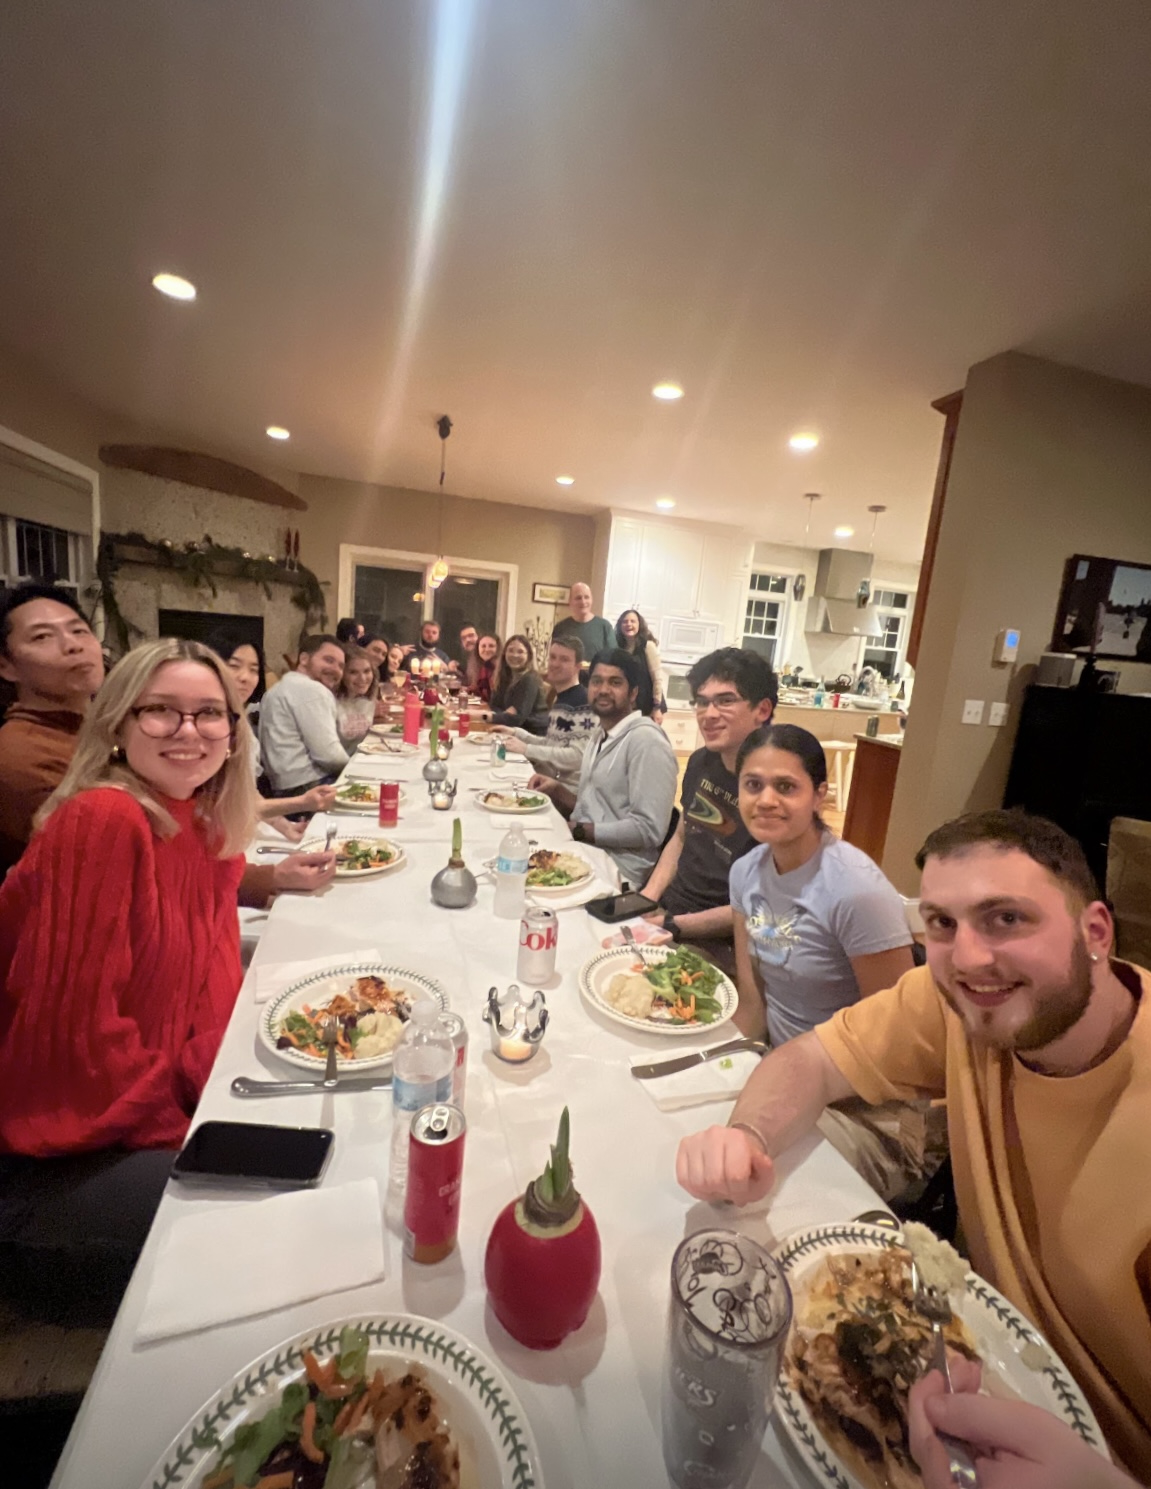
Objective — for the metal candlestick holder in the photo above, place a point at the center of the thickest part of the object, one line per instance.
(515, 1033)
(442, 794)
(443, 749)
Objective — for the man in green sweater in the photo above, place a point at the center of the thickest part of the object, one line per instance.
(594, 633)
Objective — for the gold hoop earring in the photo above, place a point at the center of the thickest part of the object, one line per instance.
(117, 754)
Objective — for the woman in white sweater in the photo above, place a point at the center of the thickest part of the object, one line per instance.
(633, 636)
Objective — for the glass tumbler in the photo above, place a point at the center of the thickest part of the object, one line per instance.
(728, 1319)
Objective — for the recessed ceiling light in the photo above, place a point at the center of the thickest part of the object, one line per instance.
(565, 480)
(665, 503)
(174, 287)
(845, 532)
(803, 441)
(274, 431)
(668, 392)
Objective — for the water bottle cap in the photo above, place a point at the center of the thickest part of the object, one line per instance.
(424, 1011)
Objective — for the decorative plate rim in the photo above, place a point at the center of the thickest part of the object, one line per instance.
(272, 1011)
(803, 1431)
(316, 845)
(470, 1369)
(645, 1026)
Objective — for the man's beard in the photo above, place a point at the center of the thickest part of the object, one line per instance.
(1063, 1006)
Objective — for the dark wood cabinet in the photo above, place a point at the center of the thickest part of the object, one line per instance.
(1082, 759)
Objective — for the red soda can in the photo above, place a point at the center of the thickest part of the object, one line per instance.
(389, 803)
(435, 1172)
(539, 934)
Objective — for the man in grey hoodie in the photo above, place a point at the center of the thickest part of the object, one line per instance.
(627, 781)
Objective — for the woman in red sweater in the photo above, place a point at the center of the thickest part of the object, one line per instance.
(119, 966)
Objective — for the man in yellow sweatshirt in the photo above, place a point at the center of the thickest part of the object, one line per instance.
(1041, 1043)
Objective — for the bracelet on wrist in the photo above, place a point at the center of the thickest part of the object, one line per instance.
(753, 1132)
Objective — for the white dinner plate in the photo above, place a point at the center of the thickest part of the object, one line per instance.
(1001, 1334)
(318, 987)
(390, 745)
(557, 891)
(596, 973)
(316, 845)
(372, 806)
(497, 1448)
(516, 811)
(483, 737)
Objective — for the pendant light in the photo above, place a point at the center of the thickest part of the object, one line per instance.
(438, 572)
(799, 583)
(863, 594)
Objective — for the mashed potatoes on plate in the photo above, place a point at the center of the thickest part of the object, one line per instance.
(379, 1035)
(630, 993)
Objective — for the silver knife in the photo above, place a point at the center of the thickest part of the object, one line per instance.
(243, 1086)
(697, 1057)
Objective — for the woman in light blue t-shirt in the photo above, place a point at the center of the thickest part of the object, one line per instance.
(817, 926)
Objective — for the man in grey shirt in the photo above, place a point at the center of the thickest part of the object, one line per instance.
(298, 740)
(627, 779)
(594, 633)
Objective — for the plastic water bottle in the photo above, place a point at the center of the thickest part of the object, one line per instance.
(421, 1075)
(512, 872)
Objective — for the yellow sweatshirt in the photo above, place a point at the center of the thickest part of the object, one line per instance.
(1053, 1178)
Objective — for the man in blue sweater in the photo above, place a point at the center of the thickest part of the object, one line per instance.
(627, 781)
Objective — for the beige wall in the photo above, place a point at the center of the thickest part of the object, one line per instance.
(1048, 461)
(33, 404)
(549, 547)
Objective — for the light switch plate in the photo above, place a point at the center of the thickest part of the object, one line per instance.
(997, 714)
(973, 711)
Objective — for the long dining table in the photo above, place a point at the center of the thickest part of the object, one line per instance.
(594, 1402)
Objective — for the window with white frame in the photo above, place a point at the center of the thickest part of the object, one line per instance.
(765, 613)
(886, 652)
(36, 552)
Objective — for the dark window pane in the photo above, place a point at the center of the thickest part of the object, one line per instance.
(460, 602)
(384, 603)
(42, 552)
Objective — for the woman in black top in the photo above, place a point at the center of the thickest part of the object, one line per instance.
(518, 690)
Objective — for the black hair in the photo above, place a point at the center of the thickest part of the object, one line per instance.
(466, 625)
(642, 636)
(24, 594)
(346, 629)
(1048, 845)
(796, 741)
(749, 673)
(626, 663)
(569, 643)
(310, 645)
(225, 642)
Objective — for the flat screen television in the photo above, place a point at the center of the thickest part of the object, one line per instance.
(1104, 609)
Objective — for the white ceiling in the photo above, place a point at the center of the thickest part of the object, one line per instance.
(809, 212)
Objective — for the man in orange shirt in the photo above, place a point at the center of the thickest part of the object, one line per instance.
(1041, 1043)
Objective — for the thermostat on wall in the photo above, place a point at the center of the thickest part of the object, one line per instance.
(1006, 648)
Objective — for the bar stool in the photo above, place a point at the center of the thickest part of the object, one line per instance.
(840, 754)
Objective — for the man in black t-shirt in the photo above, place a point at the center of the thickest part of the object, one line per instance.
(734, 692)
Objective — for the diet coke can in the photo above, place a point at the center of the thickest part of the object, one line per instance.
(539, 931)
(435, 1171)
(456, 1027)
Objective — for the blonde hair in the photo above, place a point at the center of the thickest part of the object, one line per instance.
(226, 803)
(353, 654)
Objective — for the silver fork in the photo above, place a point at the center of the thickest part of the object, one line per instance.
(329, 839)
(937, 1311)
(331, 1036)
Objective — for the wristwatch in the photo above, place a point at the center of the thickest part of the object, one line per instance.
(670, 926)
(578, 832)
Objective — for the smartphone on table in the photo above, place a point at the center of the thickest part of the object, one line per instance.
(615, 907)
(255, 1154)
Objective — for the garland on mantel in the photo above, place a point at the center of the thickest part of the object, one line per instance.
(199, 565)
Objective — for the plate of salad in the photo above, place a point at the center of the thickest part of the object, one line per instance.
(359, 856)
(359, 796)
(393, 1400)
(660, 989)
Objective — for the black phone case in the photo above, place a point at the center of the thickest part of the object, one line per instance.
(611, 908)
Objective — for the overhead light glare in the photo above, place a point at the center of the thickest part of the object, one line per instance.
(804, 441)
(565, 480)
(276, 431)
(845, 532)
(174, 287)
(665, 503)
(667, 392)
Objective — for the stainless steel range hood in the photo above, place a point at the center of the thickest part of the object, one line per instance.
(834, 608)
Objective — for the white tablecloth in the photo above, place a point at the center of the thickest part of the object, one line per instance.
(594, 1402)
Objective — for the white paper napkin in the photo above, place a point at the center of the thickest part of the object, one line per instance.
(714, 1080)
(234, 1261)
(271, 978)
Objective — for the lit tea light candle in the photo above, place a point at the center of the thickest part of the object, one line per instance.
(515, 1049)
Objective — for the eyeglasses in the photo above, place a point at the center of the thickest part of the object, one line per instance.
(724, 702)
(159, 721)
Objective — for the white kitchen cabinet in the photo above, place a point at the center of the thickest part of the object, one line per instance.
(624, 554)
(680, 569)
(680, 727)
(669, 569)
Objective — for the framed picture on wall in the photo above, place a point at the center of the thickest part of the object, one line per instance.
(551, 594)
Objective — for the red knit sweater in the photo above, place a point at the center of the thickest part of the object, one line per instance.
(119, 963)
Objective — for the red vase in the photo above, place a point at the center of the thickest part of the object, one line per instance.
(542, 1279)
